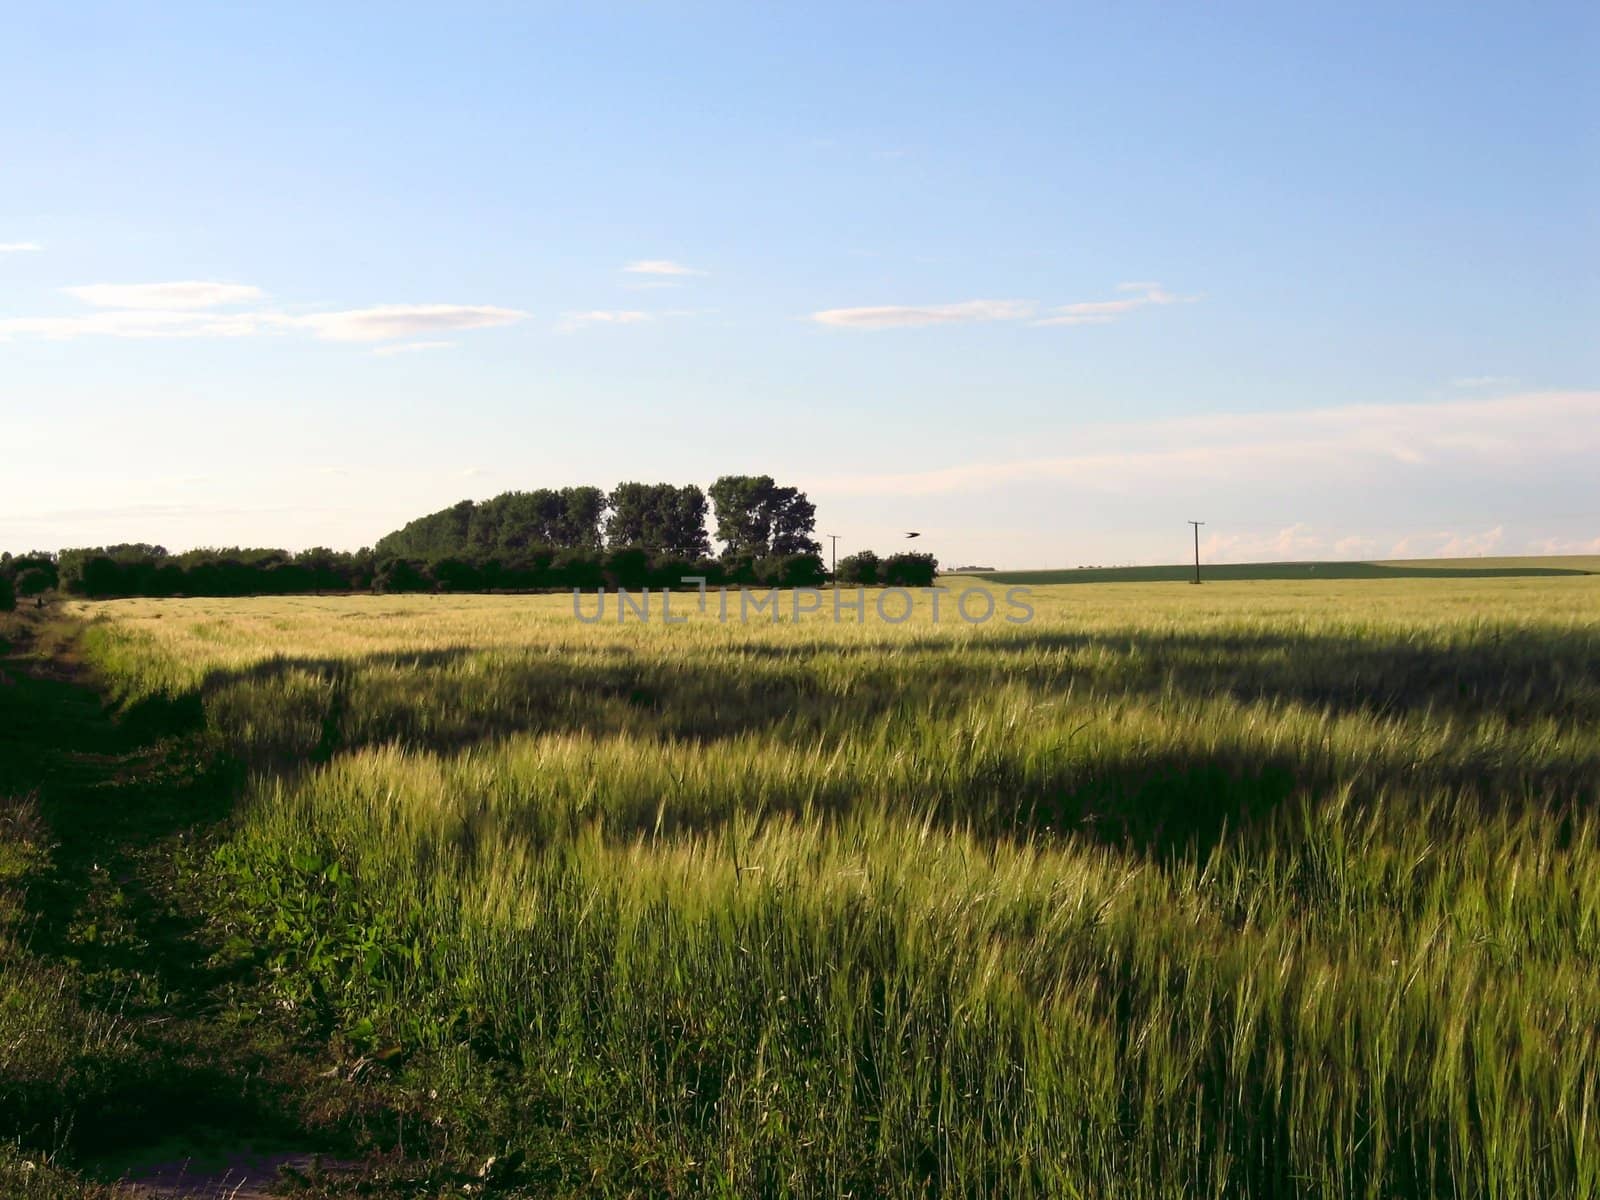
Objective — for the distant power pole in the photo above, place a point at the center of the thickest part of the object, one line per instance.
(1197, 525)
(834, 538)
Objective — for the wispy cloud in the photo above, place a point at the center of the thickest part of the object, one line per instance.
(1328, 445)
(579, 320)
(897, 316)
(182, 295)
(19, 247)
(191, 314)
(1484, 381)
(1101, 312)
(414, 347)
(387, 321)
(660, 266)
(134, 323)
(1092, 312)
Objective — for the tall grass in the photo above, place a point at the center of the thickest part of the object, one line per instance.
(1271, 889)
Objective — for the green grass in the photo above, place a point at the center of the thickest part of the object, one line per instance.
(125, 1038)
(1417, 568)
(1242, 890)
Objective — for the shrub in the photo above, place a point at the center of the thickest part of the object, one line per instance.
(801, 570)
(859, 568)
(400, 575)
(455, 575)
(909, 570)
(33, 581)
(628, 568)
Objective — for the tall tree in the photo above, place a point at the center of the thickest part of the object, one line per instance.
(793, 519)
(686, 526)
(756, 517)
(660, 518)
(743, 527)
(583, 510)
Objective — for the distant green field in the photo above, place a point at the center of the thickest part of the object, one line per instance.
(1416, 568)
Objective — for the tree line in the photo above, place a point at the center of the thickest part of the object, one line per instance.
(638, 535)
(756, 518)
(142, 569)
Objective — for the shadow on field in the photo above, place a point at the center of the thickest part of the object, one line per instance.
(1518, 674)
(305, 710)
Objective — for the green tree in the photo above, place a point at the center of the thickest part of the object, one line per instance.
(661, 518)
(508, 524)
(909, 570)
(584, 510)
(859, 568)
(757, 518)
(33, 581)
(401, 575)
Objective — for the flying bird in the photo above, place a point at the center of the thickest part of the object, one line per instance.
(913, 535)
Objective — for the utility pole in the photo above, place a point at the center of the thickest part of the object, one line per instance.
(834, 538)
(1197, 525)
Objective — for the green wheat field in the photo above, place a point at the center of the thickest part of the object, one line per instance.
(1272, 888)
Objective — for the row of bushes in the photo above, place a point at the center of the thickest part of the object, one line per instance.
(140, 570)
(629, 568)
(898, 570)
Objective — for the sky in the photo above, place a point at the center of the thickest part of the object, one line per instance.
(1042, 283)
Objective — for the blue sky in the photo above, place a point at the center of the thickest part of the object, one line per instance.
(1041, 282)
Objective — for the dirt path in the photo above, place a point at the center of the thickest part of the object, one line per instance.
(191, 1102)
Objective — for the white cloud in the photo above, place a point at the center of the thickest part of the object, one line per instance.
(1100, 312)
(578, 320)
(894, 316)
(1091, 312)
(386, 321)
(164, 297)
(1448, 543)
(1317, 447)
(134, 324)
(414, 347)
(1484, 381)
(19, 247)
(376, 324)
(1561, 545)
(1467, 545)
(1292, 542)
(660, 266)
(1355, 547)
(1300, 542)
